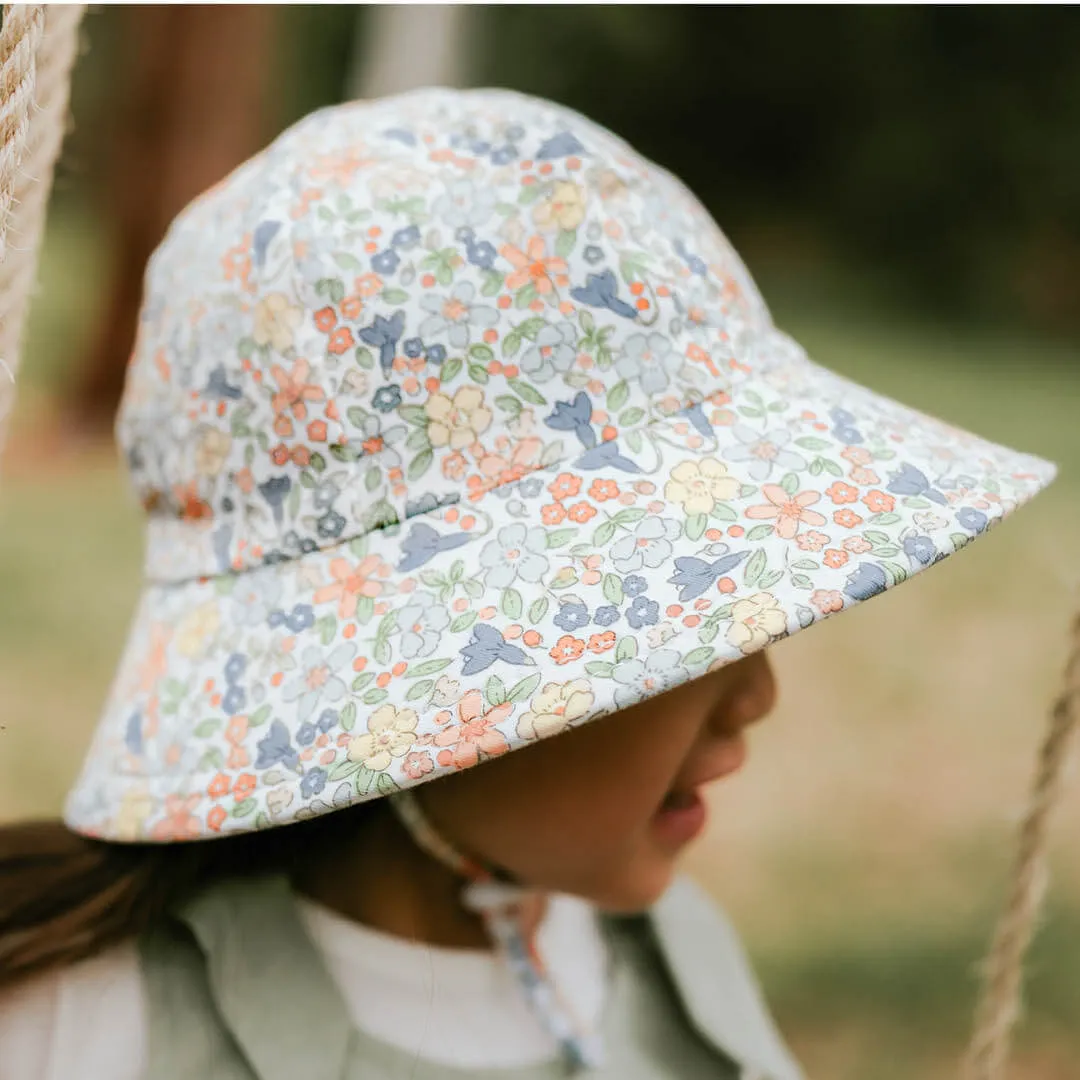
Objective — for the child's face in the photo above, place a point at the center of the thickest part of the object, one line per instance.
(604, 811)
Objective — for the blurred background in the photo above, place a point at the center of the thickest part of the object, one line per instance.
(904, 182)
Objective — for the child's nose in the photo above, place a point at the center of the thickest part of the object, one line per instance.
(753, 696)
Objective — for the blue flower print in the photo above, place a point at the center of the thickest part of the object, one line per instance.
(305, 734)
(562, 145)
(503, 155)
(133, 733)
(274, 491)
(233, 700)
(920, 550)
(385, 334)
(330, 525)
(607, 454)
(865, 581)
(594, 254)
(844, 428)
(908, 480)
(973, 520)
(387, 398)
(571, 616)
(401, 135)
(301, 618)
(599, 292)
(413, 347)
(643, 612)
(235, 667)
(575, 416)
(328, 720)
(407, 237)
(608, 615)
(265, 231)
(423, 543)
(695, 576)
(274, 748)
(312, 782)
(694, 263)
(487, 646)
(480, 254)
(386, 262)
(634, 585)
(435, 354)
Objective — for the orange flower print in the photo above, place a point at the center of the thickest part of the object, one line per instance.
(877, 502)
(218, 787)
(216, 818)
(566, 649)
(368, 285)
(533, 266)
(325, 320)
(244, 786)
(866, 477)
(581, 512)
(812, 540)
(340, 340)
(475, 735)
(417, 764)
(553, 514)
(842, 493)
(599, 643)
(294, 389)
(835, 558)
(847, 518)
(827, 600)
(350, 583)
(788, 510)
(857, 545)
(565, 486)
(352, 307)
(602, 490)
(857, 455)
(179, 823)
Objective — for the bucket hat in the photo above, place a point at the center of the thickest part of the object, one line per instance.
(458, 424)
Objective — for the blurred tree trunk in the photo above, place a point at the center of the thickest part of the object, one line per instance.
(402, 47)
(189, 105)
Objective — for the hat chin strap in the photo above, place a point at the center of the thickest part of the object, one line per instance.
(500, 902)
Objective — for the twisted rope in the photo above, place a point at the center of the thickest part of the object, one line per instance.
(38, 44)
(1000, 1002)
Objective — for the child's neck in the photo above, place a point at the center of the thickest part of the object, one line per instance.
(383, 880)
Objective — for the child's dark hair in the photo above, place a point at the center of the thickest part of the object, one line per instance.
(65, 897)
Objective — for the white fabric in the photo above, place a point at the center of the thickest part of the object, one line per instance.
(88, 1021)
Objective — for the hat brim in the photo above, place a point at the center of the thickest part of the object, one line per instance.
(259, 699)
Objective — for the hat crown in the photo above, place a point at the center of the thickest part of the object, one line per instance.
(411, 303)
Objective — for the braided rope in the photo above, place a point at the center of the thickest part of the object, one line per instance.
(38, 44)
(999, 1005)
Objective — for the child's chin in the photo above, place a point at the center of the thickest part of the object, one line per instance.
(636, 891)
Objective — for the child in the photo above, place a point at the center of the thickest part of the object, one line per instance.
(459, 427)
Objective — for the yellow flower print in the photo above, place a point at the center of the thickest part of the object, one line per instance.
(136, 806)
(212, 451)
(391, 734)
(699, 484)
(457, 422)
(756, 619)
(565, 209)
(196, 629)
(276, 320)
(555, 708)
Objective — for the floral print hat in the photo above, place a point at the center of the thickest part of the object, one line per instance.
(458, 423)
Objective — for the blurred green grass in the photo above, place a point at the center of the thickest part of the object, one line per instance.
(865, 851)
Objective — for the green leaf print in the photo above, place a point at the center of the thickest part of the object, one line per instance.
(754, 568)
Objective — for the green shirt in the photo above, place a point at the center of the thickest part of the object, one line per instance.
(237, 991)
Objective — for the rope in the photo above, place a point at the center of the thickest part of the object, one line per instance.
(38, 44)
(999, 1006)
